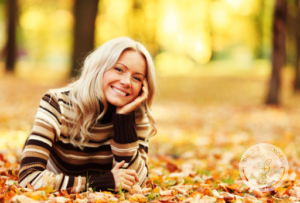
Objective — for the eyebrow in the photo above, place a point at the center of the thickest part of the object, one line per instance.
(128, 68)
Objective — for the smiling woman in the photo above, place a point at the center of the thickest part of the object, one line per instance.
(123, 83)
(95, 132)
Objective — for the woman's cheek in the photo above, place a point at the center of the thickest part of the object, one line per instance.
(139, 90)
(136, 93)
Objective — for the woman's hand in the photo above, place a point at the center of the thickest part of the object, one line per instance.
(124, 177)
(136, 102)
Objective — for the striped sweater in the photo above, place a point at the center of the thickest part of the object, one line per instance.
(49, 158)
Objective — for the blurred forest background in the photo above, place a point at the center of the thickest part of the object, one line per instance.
(228, 69)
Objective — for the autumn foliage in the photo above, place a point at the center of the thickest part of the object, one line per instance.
(195, 156)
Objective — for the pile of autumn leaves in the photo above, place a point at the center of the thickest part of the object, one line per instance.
(171, 180)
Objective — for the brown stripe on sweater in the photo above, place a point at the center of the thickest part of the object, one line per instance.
(85, 154)
(131, 153)
(35, 147)
(42, 135)
(51, 165)
(43, 110)
(53, 110)
(61, 152)
(24, 175)
(142, 128)
(33, 154)
(97, 129)
(51, 100)
(63, 102)
(137, 164)
(142, 134)
(142, 152)
(100, 137)
(27, 167)
(57, 165)
(66, 140)
(75, 171)
(124, 146)
(41, 126)
(64, 93)
(50, 111)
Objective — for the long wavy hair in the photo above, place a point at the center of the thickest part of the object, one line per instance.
(86, 92)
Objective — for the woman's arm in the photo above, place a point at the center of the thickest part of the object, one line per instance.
(129, 144)
(46, 130)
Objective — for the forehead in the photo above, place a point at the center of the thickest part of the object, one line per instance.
(134, 61)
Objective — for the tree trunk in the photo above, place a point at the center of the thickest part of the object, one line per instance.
(260, 53)
(278, 54)
(10, 47)
(85, 13)
(297, 37)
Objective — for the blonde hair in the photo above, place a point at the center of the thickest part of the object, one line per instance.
(86, 92)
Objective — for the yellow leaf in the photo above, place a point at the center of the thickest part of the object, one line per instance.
(138, 198)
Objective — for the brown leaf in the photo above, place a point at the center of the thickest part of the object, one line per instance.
(171, 167)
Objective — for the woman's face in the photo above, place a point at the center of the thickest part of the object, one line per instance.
(123, 82)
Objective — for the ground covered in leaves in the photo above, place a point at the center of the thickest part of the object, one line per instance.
(205, 124)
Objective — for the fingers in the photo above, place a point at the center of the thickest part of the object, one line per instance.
(129, 178)
(124, 178)
(145, 83)
(145, 87)
(132, 173)
(127, 182)
(124, 185)
(119, 165)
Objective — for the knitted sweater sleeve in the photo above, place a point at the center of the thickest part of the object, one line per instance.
(130, 144)
(46, 129)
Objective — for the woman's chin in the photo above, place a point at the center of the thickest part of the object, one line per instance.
(118, 103)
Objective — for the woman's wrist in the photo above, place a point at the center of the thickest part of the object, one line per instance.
(105, 182)
(121, 111)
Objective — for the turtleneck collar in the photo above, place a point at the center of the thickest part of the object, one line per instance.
(107, 118)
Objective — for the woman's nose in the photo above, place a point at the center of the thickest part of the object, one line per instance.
(125, 81)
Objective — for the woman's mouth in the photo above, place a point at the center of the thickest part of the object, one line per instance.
(119, 92)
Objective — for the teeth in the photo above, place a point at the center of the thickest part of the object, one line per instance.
(122, 93)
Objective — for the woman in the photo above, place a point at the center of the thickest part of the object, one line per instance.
(95, 132)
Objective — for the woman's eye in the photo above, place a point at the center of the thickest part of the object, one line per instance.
(118, 69)
(138, 79)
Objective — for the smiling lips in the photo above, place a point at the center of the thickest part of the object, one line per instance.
(124, 94)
